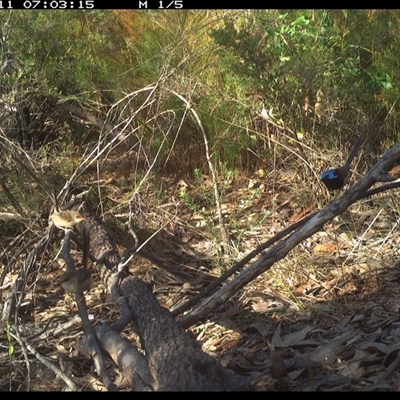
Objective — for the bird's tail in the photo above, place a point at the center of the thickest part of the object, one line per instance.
(356, 148)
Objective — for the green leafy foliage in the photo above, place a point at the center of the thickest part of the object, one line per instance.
(229, 64)
(286, 57)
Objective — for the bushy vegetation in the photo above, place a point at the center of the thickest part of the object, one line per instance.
(229, 64)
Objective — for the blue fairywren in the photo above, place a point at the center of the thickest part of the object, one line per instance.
(335, 179)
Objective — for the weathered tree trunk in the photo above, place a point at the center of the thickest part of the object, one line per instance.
(175, 359)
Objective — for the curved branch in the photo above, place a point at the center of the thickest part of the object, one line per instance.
(224, 233)
(379, 173)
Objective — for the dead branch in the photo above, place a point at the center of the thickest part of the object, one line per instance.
(379, 173)
(175, 359)
(87, 327)
(132, 364)
(223, 231)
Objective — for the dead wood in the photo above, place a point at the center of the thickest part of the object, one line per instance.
(132, 364)
(304, 229)
(174, 357)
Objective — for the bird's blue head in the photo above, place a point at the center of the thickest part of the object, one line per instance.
(330, 174)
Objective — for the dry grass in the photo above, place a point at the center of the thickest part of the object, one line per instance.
(343, 279)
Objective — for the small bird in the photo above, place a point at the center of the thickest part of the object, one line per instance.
(77, 282)
(335, 179)
(66, 219)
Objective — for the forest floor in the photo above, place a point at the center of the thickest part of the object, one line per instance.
(323, 318)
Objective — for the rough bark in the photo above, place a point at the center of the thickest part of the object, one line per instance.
(175, 358)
